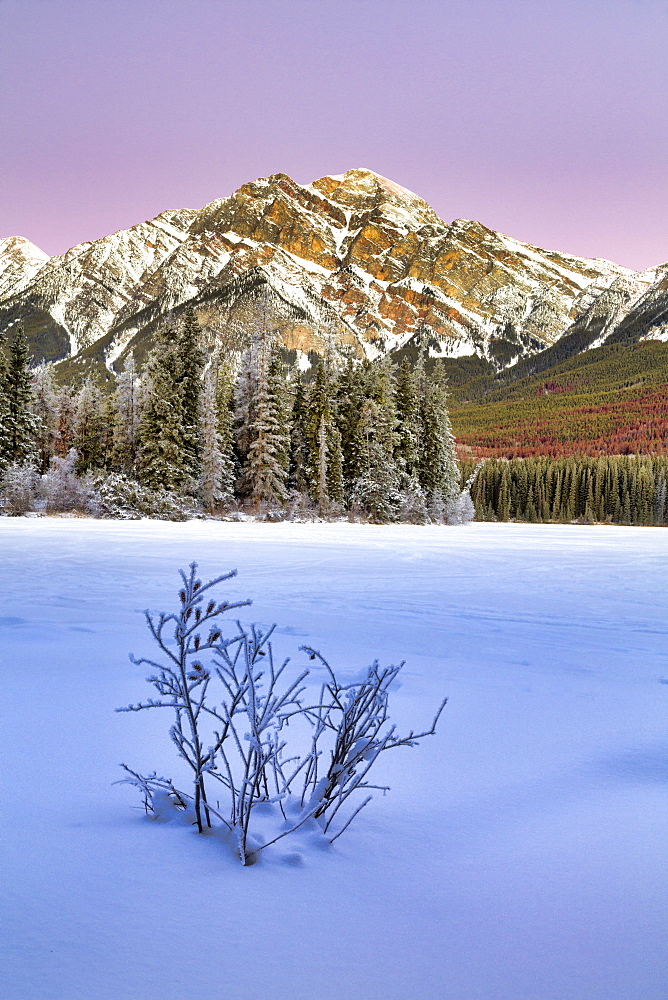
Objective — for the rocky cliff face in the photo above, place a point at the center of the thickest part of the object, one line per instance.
(359, 267)
(647, 319)
(20, 260)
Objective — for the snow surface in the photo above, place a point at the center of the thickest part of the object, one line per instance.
(521, 854)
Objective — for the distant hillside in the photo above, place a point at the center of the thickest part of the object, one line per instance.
(609, 400)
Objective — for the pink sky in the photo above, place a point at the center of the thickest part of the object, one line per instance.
(545, 120)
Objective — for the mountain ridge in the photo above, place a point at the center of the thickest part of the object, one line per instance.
(359, 266)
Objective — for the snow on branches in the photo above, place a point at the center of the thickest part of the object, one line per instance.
(265, 759)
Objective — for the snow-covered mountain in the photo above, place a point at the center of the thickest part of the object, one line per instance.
(359, 265)
(20, 260)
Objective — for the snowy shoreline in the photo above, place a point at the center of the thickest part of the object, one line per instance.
(520, 852)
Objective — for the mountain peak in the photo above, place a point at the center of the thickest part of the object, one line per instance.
(361, 188)
(20, 260)
(359, 266)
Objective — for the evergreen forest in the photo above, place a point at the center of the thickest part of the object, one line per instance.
(200, 431)
(611, 489)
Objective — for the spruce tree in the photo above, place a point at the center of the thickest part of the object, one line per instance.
(216, 475)
(19, 424)
(161, 457)
(46, 409)
(438, 469)
(268, 452)
(191, 363)
(126, 409)
(91, 432)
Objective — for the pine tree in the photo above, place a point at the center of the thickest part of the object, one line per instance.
(45, 406)
(91, 431)
(161, 458)
(323, 440)
(298, 471)
(19, 424)
(262, 433)
(169, 431)
(244, 402)
(126, 409)
(4, 403)
(503, 501)
(409, 380)
(224, 403)
(65, 427)
(335, 467)
(438, 469)
(351, 396)
(217, 473)
(660, 497)
(376, 489)
(191, 363)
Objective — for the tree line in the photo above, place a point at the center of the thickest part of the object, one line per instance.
(366, 437)
(614, 489)
(611, 400)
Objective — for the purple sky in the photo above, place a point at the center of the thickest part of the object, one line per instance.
(547, 120)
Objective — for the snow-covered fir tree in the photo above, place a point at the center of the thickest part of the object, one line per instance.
(437, 468)
(19, 425)
(169, 433)
(91, 431)
(126, 404)
(262, 432)
(216, 465)
(323, 440)
(45, 406)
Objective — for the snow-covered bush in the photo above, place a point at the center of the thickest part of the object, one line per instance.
(375, 499)
(461, 510)
(272, 760)
(413, 509)
(18, 489)
(61, 488)
(121, 496)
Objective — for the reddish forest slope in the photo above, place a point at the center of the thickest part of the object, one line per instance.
(612, 400)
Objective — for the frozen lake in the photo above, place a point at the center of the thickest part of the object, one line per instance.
(521, 854)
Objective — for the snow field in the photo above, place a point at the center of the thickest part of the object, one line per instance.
(521, 854)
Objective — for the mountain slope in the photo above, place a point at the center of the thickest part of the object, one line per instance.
(359, 267)
(612, 399)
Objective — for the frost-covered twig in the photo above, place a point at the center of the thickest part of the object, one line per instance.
(184, 678)
(357, 715)
(231, 719)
